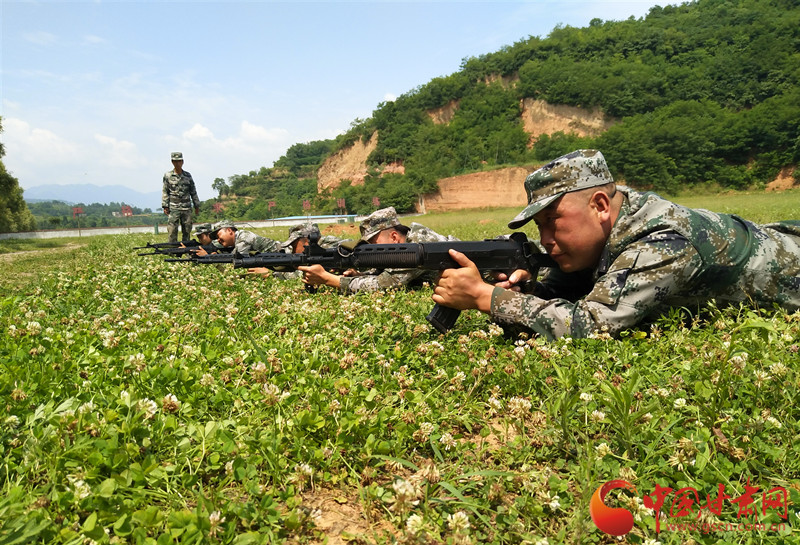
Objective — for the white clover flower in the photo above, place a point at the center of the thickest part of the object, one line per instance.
(458, 522)
(775, 422)
(405, 495)
(207, 380)
(586, 397)
(447, 441)
(495, 404)
(778, 369)
(761, 377)
(519, 406)
(79, 488)
(148, 407)
(415, 524)
(555, 503)
(170, 403)
(519, 352)
(603, 450)
(597, 416)
(426, 428)
(12, 421)
(679, 403)
(33, 328)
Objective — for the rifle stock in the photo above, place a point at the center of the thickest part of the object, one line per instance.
(161, 245)
(500, 254)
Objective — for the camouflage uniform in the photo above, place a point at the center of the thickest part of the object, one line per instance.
(179, 196)
(248, 242)
(375, 223)
(658, 255)
(304, 230)
(208, 229)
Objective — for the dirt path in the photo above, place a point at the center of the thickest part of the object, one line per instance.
(70, 246)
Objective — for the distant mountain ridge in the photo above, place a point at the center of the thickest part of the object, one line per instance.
(91, 193)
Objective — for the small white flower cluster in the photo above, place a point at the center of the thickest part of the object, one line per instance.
(519, 406)
(406, 495)
(148, 407)
(447, 441)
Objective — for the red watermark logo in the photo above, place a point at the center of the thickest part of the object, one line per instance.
(688, 504)
(615, 521)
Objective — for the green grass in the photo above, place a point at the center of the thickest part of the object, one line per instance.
(149, 403)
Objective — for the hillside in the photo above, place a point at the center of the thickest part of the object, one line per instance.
(495, 188)
(680, 100)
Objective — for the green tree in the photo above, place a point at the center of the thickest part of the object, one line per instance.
(14, 213)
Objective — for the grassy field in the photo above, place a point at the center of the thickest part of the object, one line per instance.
(153, 403)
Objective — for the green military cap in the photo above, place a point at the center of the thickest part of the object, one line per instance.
(222, 225)
(203, 229)
(177, 156)
(376, 222)
(303, 230)
(574, 171)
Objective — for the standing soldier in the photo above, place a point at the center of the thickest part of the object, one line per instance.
(178, 197)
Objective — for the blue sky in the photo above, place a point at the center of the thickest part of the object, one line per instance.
(101, 92)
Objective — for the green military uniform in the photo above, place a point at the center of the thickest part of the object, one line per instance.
(248, 242)
(376, 222)
(658, 255)
(179, 197)
(308, 231)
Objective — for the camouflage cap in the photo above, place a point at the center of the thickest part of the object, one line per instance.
(177, 156)
(203, 229)
(222, 225)
(574, 171)
(376, 222)
(303, 230)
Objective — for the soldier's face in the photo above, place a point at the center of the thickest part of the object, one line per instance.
(227, 237)
(299, 245)
(571, 231)
(204, 239)
(388, 236)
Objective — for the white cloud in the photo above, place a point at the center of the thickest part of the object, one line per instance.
(34, 145)
(198, 132)
(118, 153)
(92, 39)
(40, 38)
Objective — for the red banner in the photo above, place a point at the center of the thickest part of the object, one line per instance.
(306, 205)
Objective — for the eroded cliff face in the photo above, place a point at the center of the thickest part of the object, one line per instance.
(346, 164)
(495, 188)
(538, 118)
(501, 187)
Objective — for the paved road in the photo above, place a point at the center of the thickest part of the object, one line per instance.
(162, 229)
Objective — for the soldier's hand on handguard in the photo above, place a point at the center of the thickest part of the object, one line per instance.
(316, 275)
(261, 271)
(463, 288)
(512, 282)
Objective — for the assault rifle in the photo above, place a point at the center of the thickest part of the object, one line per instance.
(500, 254)
(210, 259)
(154, 245)
(181, 251)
